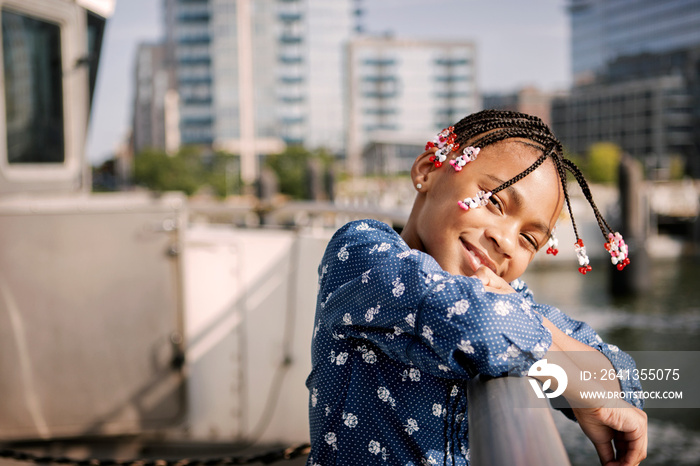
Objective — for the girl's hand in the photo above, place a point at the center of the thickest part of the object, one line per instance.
(619, 433)
(493, 282)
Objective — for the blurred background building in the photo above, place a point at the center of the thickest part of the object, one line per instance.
(259, 75)
(400, 90)
(636, 68)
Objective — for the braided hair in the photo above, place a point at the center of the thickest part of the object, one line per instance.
(490, 126)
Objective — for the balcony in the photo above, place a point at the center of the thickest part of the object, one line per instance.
(194, 61)
(194, 17)
(451, 61)
(291, 39)
(290, 59)
(379, 61)
(379, 78)
(195, 40)
(289, 17)
(291, 79)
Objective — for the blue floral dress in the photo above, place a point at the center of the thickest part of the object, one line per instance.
(396, 339)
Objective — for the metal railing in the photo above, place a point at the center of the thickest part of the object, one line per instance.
(515, 428)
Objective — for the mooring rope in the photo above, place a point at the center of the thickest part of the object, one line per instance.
(264, 458)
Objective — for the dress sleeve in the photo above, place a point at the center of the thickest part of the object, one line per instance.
(373, 287)
(581, 331)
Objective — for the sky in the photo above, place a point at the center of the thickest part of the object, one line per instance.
(519, 43)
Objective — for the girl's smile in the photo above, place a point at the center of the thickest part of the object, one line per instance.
(503, 235)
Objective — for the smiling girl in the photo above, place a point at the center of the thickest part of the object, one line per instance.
(403, 322)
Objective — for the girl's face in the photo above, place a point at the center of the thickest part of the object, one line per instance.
(503, 235)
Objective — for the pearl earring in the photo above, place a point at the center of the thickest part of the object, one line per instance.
(418, 186)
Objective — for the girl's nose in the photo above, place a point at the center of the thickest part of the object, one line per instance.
(503, 235)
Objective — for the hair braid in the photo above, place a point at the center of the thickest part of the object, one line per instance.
(488, 127)
(602, 224)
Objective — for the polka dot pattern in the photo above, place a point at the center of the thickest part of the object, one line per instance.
(396, 339)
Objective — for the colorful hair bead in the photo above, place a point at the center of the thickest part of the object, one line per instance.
(468, 155)
(583, 261)
(618, 250)
(552, 245)
(481, 199)
(445, 143)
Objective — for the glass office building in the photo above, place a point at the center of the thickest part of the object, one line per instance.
(604, 30)
(401, 92)
(294, 49)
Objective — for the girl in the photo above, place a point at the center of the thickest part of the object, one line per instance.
(403, 322)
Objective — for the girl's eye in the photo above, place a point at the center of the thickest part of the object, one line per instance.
(496, 202)
(531, 242)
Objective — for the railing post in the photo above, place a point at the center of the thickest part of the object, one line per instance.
(509, 425)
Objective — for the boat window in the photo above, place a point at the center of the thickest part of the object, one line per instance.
(33, 89)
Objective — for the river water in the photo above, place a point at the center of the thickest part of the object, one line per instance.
(665, 317)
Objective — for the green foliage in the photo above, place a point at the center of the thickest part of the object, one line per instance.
(187, 171)
(602, 162)
(292, 169)
(676, 167)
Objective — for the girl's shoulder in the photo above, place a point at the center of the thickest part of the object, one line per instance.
(367, 230)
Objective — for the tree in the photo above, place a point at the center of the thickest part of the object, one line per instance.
(602, 162)
(293, 168)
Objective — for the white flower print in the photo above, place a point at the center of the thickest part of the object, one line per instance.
(314, 397)
(466, 346)
(331, 440)
(454, 391)
(568, 331)
(364, 227)
(526, 308)
(380, 248)
(539, 350)
(397, 331)
(343, 254)
(411, 320)
(517, 284)
(444, 368)
(511, 352)
(598, 339)
(347, 319)
(327, 410)
(340, 359)
(413, 374)
(384, 395)
(428, 334)
(411, 426)
(405, 254)
(398, 287)
(503, 308)
(350, 420)
(365, 276)
(437, 409)
(369, 356)
(459, 308)
(439, 288)
(324, 269)
(613, 348)
(375, 448)
(328, 296)
(459, 417)
(371, 312)
(316, 328)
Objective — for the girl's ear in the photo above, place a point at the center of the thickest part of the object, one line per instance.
(422, 169)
